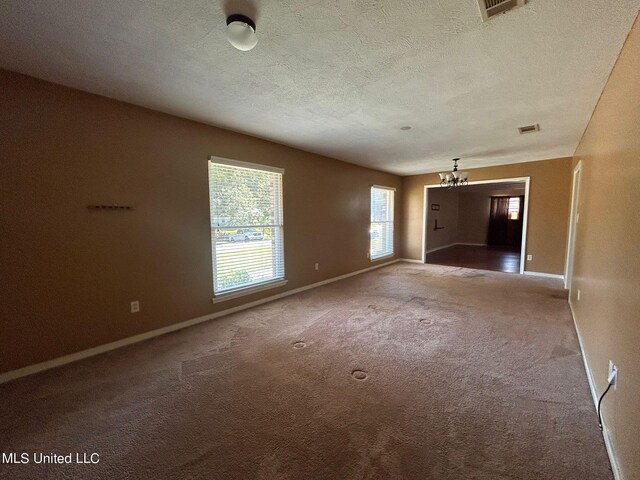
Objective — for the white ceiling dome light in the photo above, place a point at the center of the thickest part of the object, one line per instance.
(241, 32)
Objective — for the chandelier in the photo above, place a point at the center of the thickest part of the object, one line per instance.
(455, 178)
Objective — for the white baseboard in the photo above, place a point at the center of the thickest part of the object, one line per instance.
(542, 274)
(73, 357)
(457, 243)
(615, 466)
(411, 260)
(440, 248)
(526, 272)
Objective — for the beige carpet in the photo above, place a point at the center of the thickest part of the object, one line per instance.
(468, 374)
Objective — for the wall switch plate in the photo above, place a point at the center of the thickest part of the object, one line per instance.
(612, 376)
(529, 257)
(135, 306)
(578, 295)
(317, 266)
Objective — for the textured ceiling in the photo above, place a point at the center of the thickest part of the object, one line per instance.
(341, 77)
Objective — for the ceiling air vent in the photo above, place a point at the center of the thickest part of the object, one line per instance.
(529, 129)
(491, 8)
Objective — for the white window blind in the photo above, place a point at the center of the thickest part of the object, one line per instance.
(381, 232)
(514, 208)
(245, 202)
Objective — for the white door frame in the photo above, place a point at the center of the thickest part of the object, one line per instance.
(574, 218)
(525, 215)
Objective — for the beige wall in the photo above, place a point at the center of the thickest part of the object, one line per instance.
(68, 274)
(549, 198)
(607, 262)
(473, 214)
(447, 217)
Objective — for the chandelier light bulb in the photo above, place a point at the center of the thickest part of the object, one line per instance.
(241, 32)
(455, 178)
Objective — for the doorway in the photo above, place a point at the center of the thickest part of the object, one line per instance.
(573, 223)
(482, 225)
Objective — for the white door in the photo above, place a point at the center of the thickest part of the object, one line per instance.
(573, 224)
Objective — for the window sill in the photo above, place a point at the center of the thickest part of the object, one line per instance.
(383, 257)
(248, 291)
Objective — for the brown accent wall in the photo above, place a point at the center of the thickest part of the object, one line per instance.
(549, 199)
(474, 212)
(606, 262)
(464, 216)
(473, 218)
(447, 217)
(68, 274)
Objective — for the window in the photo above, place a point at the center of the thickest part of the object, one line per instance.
(381, 231)
(514, 208)
(245, 203)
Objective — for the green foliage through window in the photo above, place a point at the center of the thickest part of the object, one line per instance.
(246, 225)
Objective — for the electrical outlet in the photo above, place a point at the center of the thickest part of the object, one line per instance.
(317, 266)
(612, 376)
(135, 306)
(529, 258)
(578, 295)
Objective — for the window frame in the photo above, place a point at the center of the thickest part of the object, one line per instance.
(391, 222)
(516, 211)
(258, 286)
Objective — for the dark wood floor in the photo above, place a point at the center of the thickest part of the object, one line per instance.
(500, 259)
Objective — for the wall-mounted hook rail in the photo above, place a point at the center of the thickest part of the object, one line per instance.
(110, 207)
